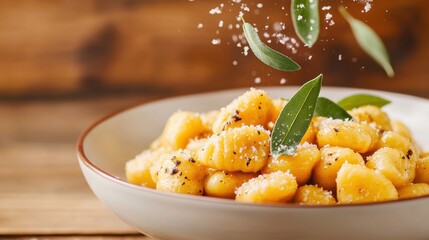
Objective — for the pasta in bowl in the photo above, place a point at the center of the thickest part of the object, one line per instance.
(226, 153)
(104, 149)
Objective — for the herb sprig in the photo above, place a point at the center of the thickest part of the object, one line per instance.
(369, 41)
(362, 99)
(305, 18)
(295, 118)
(266, 54)
(306, 22)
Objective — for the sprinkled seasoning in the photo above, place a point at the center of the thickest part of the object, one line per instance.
(174, 171)
(248, 160)
(216, 41)
(235, 116)
(409, 154)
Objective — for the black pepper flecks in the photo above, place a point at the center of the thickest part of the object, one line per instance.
(174, 171)
(177, 162)
(235, 116)
(409, 154)
(192, 160)
(248, 160)
(259, 132)
(336, 129)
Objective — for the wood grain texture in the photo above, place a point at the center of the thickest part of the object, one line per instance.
(78, 237)
(69, 47)
(42, 190)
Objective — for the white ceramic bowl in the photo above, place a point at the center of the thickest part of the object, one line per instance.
(105, 147)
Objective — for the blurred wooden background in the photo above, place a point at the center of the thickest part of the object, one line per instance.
(57, 48)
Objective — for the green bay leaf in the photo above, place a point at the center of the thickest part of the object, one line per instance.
(329, 109)
(266, 54)
(306, 22)
(369, 41)
(295, 118)
(362, 99)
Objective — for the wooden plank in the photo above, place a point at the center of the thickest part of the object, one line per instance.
(51, 213)
(42, 190)
(77, 237)
(56, 47)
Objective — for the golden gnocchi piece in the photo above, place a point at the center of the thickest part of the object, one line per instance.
(277, 187)
(331, 160)
(300, 165)
(310, 135)
(395, 165)
(357, 136)
(156, 144)
(252, 108)
(422, 170)
(223, 184)
(137, 170)
(399, 127)
(413, 190)
(243, 149)
(181, 127)
(180, 173)
(359, 184)
(278, 105)
(313, 195)
(208, 119)
(397, 141)
(195, 145)
(372, 114)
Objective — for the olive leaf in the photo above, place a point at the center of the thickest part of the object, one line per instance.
(329, 109)
(266, 54)
(369, 41)
(362, 99)
(295, 118)
(305, 18)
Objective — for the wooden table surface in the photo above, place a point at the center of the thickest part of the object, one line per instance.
(43, 194)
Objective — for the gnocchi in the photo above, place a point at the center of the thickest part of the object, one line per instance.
(224, 184)
(359, 184)
(332, 158)
(225, 153)
(313, 195)
(274, 187)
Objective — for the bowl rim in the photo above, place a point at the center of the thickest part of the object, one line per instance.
(97, 170)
